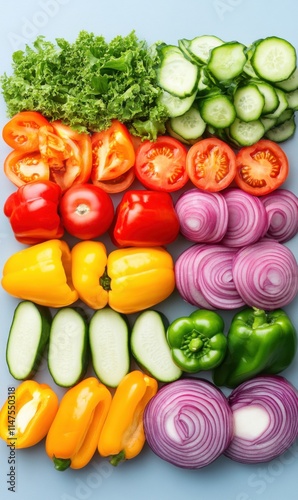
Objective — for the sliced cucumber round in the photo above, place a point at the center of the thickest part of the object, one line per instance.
(218, 111)
(274, 59)
(190, 125)
(248, 102)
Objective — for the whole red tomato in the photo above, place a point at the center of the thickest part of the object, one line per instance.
(86, 211)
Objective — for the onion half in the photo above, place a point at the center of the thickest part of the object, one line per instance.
(188, 423)
(266, 275)
(203, 216)
(282, 210)
(265, 414)
(247, 218)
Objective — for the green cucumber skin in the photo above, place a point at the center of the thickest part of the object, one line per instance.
(85, 353)
(46, 320)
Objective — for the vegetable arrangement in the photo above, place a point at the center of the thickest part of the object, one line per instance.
(165, 117)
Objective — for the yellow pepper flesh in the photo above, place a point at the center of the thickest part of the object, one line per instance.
(123, 436)
(73, 436)
(27, 414)
(129, 279)
(41, 273)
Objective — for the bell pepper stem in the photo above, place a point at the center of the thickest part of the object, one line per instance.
(105, 281)
(117, 459)
(61, 464)
(259, 317)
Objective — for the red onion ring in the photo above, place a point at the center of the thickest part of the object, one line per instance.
(282, 211)
(188, 423)
(203, 216)
(266, 275)
(247, 218)
(276, 402)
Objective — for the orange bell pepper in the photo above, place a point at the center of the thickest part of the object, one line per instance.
(27, 414)
(73, 436)
(122, 436)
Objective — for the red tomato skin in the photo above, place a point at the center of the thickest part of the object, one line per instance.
(86, 211)
(21, 131)
(161, 164)
(145, 218)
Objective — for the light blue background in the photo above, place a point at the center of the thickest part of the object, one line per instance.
(146, 477)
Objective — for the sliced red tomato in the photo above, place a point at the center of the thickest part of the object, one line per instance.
(22, 167)
(21, 132)
(112, 153)
(86, 211)
(211, 164)
(261, 168)
(161, 164)
(119, 184)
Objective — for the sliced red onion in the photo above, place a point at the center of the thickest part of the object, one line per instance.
(188, 423)
(247, 218)
(265, 414)
(203, 216)
(266, 275)
(185, 276)
(282, 210)
(214, 277)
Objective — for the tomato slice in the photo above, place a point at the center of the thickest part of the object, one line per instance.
(161, 164)
(261, 168)
(119, 184)
(21, 167)
(112, 152)
(21, 132)
(211, 164)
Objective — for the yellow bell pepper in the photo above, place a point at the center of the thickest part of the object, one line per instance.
(27, 414)
(122, 436)
(129, 279)
(73, 436)
(41, 273)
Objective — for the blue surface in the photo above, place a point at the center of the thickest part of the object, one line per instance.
(146, 477)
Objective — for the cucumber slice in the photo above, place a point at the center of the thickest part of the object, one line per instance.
(246, 133)
(284, 117)
(271, 100)
(274, 59)
(218, 111)
(176, 74)
(292, 100)
(150, 348)
(189, 126)
(109, 344)
(199, 48)
(68, 347)
(282, 132)
(268, 123)
(282, 104)
(174, 105)
(290, 83)
(248, 102)
(27, 340)
(226, 62)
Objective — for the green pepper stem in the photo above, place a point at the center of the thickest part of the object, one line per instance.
(117, 459)
(195, 344)
(259, 317)
(61, 464)
(105, 281)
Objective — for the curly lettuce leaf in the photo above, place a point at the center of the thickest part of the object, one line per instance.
(88, 83)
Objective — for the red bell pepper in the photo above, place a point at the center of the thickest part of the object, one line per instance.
(145, 218)
(33, 212)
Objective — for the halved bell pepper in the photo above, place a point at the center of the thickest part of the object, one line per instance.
(73, 436)
(258, 343)
(33, 212)
(41, 273)
(145, 218)
(122, 436)
(27, 414)
(129, 279)
(197, 341)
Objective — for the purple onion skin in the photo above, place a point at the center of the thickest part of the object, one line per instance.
(188, 423)
(280, 398)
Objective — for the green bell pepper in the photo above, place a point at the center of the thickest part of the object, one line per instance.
(197, 341)
(258, 343)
